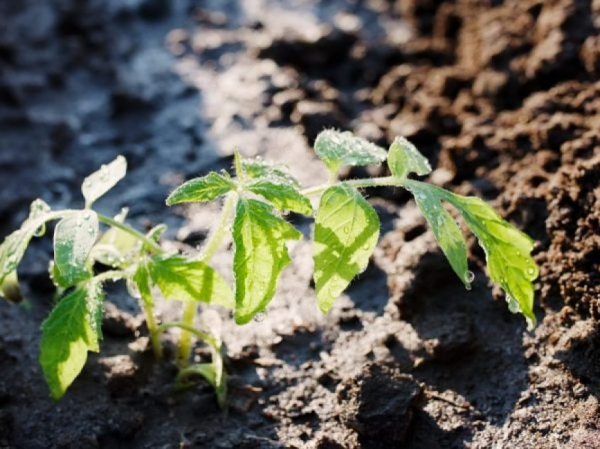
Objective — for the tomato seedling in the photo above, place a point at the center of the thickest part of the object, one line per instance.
(345, 235)
(346, 225)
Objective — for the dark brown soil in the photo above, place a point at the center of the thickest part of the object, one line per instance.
(502, 96)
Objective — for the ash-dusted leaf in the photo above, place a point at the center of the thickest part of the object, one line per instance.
(74, 238)
(448, 234)
(70, 331)
(206, 188)
(260, 256)
(183, 279)
(259, 169)
(101, 181)
(404, 158)
(337, 148)
(14, 246)
(508, 252)
(346, 233)
(282, 196)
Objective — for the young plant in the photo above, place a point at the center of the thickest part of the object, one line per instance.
(73, 328)
(346, 225)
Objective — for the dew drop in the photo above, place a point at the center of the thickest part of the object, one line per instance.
(513, 305)
(530, 271)
(87, 215)
(470, 276)
(133, 290)
(346, 229)
(260, 317)
(91, 230)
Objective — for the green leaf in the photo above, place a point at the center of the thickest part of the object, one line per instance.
(445, 229)
(74, 238)
(508, 253)
(337, 148)
(259, 169)
(101, 181)
(70, 331)
(404, 158)
(142, 280)
(14, 246)
(183, 279)
(282, 196)
(260, 256)
(346, 233)
(57, 278)
(206, 188)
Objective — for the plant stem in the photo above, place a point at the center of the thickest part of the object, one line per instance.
(192, 330)
(151, 244)
(190, 308)
(369, 182)
(152, 330)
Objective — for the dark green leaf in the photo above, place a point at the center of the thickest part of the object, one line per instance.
(74, 238)
(282, 196)
(206, 188)
(70, 331)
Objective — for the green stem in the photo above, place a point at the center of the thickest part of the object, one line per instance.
(190, 308)
(151, 244)
(152, 330)
(209, 339)
(387, 181)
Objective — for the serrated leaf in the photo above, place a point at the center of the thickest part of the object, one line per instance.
(404, 158)
(183, 279)
(69, 332)
(346, 233)
(14, 246)
(508, 252)
(446, 231)
(260, 256)
(337, 148)
(101, 181)
(282, 196)
(74, 238)
(258, 169)
(206, 188)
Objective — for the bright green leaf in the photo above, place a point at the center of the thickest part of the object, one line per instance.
(259, 169)
(183, 279)
(337, 148)
(14, 246)
(101, 181)
(404, 158)
(74, 238)
(346, 233)
(508, 252)
(445, 229)
(260, 256)
(282, 196)
(206, 188)
(70, 331)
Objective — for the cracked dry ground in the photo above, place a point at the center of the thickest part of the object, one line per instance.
(502, 96)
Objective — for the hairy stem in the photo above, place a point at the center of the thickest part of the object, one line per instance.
(388, 181)
(151, 244)
(190, 308)
(152, 330)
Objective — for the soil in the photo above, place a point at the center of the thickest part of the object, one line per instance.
(502, 96)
